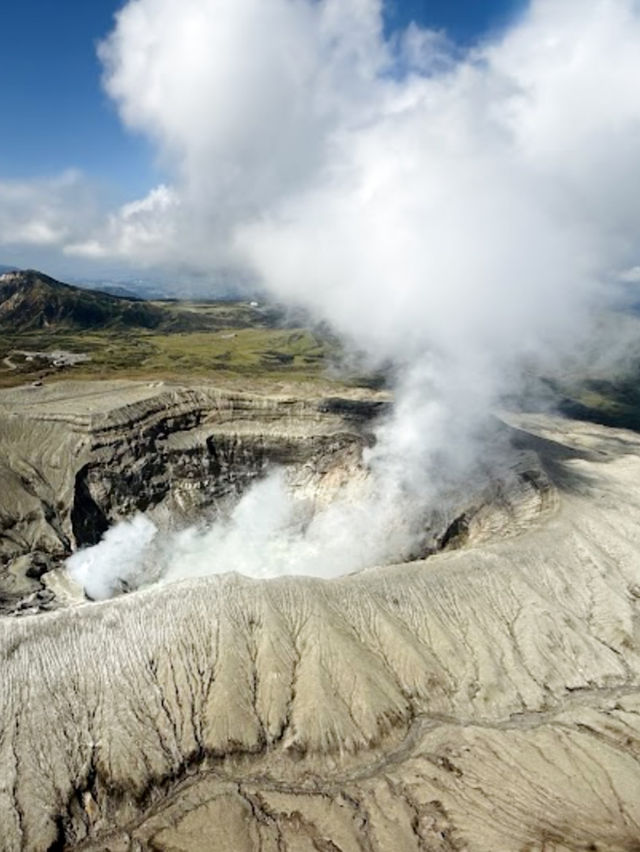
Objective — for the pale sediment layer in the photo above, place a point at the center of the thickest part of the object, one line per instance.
(487, 698)
(75, 457)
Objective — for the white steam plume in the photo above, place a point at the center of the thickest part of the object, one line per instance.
(382, 514)
(460, 213)
(472, 206)
(270, 532)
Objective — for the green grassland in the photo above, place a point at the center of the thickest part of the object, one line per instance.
(217, 315)
(296, 353)
(611, 402)
(44, 322)
(241, 341)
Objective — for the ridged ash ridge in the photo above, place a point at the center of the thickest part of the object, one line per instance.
(487, 698)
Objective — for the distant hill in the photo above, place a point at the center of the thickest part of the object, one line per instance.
(31, 300)
(114, 290)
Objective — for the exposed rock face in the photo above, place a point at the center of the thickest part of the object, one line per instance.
(487, 698)
(78, 456)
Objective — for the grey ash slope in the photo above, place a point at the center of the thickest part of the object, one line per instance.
(485, 699)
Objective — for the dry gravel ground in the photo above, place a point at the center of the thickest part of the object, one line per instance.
(485, 699)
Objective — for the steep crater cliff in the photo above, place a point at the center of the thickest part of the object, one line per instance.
(80, 457)
(77, 459)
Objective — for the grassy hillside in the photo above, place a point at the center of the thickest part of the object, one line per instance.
(611, 402)
(45, 325)
(30, 300)
(294, 353)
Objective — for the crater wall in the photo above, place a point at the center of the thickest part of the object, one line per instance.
(486, 698)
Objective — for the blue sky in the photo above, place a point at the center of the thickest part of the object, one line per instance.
(55, 115)
(464, 20)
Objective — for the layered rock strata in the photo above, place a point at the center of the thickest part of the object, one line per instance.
(487, 698)
(76, 457)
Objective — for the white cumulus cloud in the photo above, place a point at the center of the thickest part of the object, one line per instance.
(44, 211)
(140, 229)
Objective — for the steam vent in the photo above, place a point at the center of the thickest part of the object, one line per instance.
(486, 697)
(320, 469)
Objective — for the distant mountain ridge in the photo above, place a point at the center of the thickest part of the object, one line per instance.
(31, 300)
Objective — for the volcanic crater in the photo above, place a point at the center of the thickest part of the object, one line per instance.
(438, 703)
